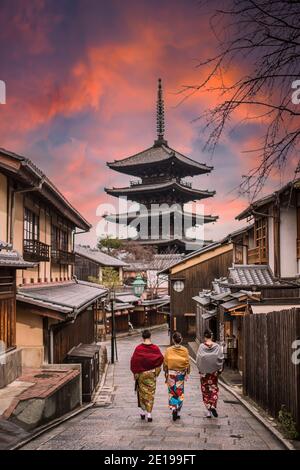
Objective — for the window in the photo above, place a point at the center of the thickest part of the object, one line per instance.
(31, 225)
(59, 239)
(178, 286)
(261, 239)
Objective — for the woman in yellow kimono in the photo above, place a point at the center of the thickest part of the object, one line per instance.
(176, 367)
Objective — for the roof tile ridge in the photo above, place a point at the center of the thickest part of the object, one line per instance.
(189, 158)
(131, 156)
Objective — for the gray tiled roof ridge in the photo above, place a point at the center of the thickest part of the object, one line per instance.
(98, 256)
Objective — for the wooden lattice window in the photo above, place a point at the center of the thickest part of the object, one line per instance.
(59, 239)
(31, 225)
(261, 239)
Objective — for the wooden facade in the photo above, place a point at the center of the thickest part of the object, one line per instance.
(199, 275)
(7, 308)
(39, 223)
(270, 377)
(70, 334)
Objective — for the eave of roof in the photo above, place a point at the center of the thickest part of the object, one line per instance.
(98, 257)
(129, 216)
(154, 155)
(34, 177)
(171, 184)
(42, 296)
(267, 199)
(10, 258)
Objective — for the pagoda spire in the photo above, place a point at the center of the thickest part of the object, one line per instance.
(160, 116)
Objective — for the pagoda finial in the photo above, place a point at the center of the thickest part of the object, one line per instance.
(160, 116)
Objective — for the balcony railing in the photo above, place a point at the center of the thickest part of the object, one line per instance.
(62, 257)
(34, 250)
(187, 184)
(257, 256)
(134, 182)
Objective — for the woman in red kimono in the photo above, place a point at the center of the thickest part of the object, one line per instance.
(146, 364)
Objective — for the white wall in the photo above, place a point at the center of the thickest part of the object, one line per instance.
(288, 237)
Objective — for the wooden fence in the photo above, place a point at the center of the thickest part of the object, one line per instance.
(270, 377)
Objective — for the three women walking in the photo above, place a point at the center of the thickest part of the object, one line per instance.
(176, 368)
(146, 363)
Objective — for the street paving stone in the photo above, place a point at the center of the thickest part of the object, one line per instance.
(117, 425)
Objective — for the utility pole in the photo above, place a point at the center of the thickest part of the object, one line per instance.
(114, 352)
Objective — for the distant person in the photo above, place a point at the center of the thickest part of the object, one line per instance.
(177, 368)
(210, 364)
(146, 364)
(169, 323)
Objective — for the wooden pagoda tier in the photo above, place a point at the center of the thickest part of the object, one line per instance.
(173, 245)
(169, 191)
(127, 217)
(157, 162)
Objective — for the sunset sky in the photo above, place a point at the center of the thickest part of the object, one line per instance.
(81, 79)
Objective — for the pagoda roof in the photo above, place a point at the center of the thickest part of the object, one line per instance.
(127, 217)
(159, 153)
(137, 191)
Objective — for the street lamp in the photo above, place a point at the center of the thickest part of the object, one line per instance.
(138, 285)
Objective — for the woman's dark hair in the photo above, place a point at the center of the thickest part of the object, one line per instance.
(146, 334)
(207, 334)
(177, 337)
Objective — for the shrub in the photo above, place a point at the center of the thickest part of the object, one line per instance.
(287, 423)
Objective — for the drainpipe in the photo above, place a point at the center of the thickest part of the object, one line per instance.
(51, 346)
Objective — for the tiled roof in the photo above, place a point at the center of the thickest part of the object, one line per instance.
(126, 297)
(251, 275)
(10, 258)
(158, 153)
(120, 306)
(158, 301)
(98, 256)
(67, 297)
(136, 266)
(219, 288)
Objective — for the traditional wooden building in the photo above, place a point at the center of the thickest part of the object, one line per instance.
(54, 312)
(162, 193)
(10, 356)
(276, 227)
(91, 263)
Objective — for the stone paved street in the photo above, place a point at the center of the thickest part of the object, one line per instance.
(118, 426)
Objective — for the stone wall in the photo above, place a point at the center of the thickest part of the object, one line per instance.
(10, 367)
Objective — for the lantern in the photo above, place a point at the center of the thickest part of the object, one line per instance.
(138, 285)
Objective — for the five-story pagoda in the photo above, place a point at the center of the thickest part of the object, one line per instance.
(161, 193)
